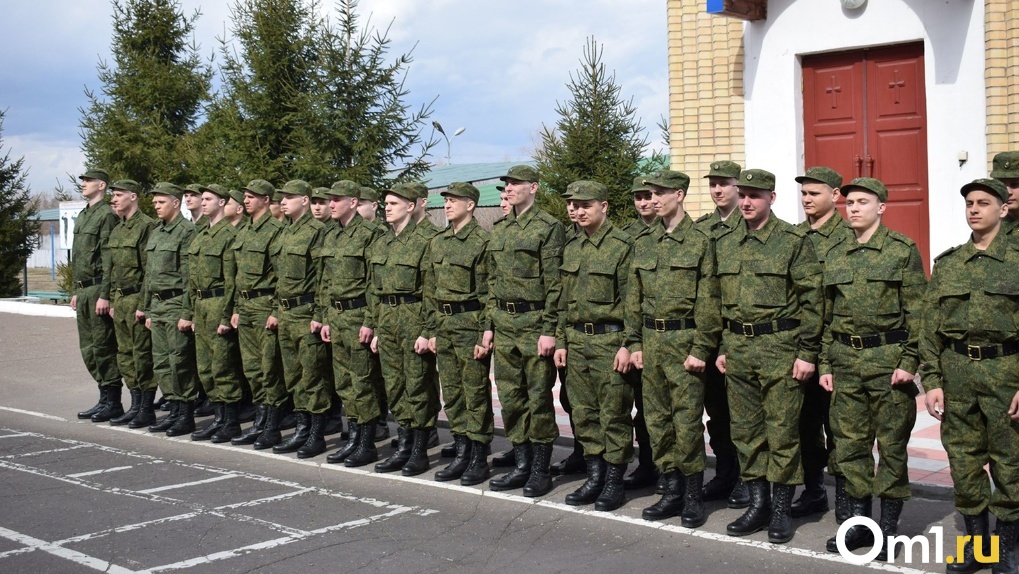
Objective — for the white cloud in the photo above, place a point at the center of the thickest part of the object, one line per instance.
(47, 161)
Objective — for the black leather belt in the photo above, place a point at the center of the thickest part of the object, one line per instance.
(461, 307)
(765, 328)
(125, 291)
(209, 293)
(979, 353)
(870, 341)
(88, 282)
(394, 300)
(291, 302)
(669, 324)
(598, 328)
(255, 293)
(350, 304)
(166, 294)
(514, 307)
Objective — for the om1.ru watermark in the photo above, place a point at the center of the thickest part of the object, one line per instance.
(918, 544)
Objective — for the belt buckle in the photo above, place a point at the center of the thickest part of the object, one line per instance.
(748, 330)
(660, 325)
(120, 291)
(511, 307)
(589, 329)
(79, 284)
(856, 342)
(157, 297)
(244, 295)
(285, 303)
(392, 301)
(198, 293)
(447, 309)
(974, 352)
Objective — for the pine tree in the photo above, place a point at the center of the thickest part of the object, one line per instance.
(18, 231)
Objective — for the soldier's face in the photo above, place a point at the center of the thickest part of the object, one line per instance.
(755, 204)
(504, 204)
(520, 193)
(294, 206)
(320, 209)
(341, 208)
(367, 209)
(92, 188)
(642, 201)
(233, 209)
(212, 205)
(984, 211)
(665, 201)
(590, 214)
(817, 199)
(863, 210)
(123, 200)
(255, 203)
(457, 209)
(1012, 183)
(166, 206)
(276, 210)
(724, 192)
(398, 209)
(193, 201)
(571, 211)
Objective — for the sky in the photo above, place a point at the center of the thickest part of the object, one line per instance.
(497, 68)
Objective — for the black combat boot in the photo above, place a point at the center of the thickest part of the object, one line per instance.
(857, 536)
(364, 451)
(316, 442)
(418, 462)
(758, 514)
(890, 511)
(146, 411)
(270, 436)
(504, 460)
(842, 511)
(247, 411)
(646, 474)
(129, 414)
(334, 421)
(671, 503)
(449, 450)
(255, 430)
(112, 408)
(693, 515)
(354, 432)
(814, 498)
(204, 407)
(976, 525)
(740, 495)
(87, 413)
(780, 529)
(517, 477)
(381, 430)
(613, 494)
(726, 473)
(301, 433)
(478, 470)
(166, 422)
(592, 487)
(211, 427)
(464, 449)
(185, 423)
(396, 461)
(539, 483)
(231, 427)
(1007, 532)
(572, 464)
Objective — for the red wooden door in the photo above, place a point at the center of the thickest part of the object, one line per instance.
(865, 114)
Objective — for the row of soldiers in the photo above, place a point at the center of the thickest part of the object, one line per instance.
(783, 320)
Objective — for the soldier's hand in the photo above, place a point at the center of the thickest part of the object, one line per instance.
(803, 370)
(488, 340)
(103, 307)
(481, 351)
(900, 377)
(139, 316)
(431, 345)
(184, 325)
(559, 358)
(622, 362)
(1013, 409)
(935, 403)
(375, 345)
(546, 346)
(223, 329)
(720, 364)
(637, 359)
(74, 302)
(420, 345)
(315, 327)
(148, 324)
(272, 323)
(365, 335)
(111, 313)
(827, 383)
(694, 365)
(235, 320)
(325, 334)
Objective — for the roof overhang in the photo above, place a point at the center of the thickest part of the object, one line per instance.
(749, 10)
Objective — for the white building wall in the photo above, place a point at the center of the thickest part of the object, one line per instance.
(953, 37)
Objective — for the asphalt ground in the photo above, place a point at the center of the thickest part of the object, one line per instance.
(80, 497)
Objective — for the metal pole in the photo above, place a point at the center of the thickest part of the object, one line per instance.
(53, 255)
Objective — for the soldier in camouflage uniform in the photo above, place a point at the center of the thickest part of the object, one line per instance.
(320, 205)
(90, 276)
(589, 341)
(127, 271)
(456, 276)
(193, 202)
(771, 309)
(676, 326)
(368, 208)
(368, 205)
(525, 254)
(234, 211)
(166, 310)
(873, 288)
(1006, 170)
(304, 353)
(426, 228)
(970, 356)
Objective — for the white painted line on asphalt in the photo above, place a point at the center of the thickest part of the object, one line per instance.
(16, 551)
(39, 452)
(101, 471)
(33, 413)
(16, 435)
(186, 484)
(65, 553)
(256, 502)
(126, 528)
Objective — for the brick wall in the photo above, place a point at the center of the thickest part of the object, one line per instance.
(1001, 71)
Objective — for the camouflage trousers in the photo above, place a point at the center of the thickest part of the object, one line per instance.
(173, 352)
(602, 398)
(817, 438)
(97, 339)
(260, 351)
(411, 385)
(524, 380)
(304, 361)
(673, 402)
(354, 370)
(218, 357)
(977, 430)
(765, 402)
(134, 344)
(716, 405)
(466, 387)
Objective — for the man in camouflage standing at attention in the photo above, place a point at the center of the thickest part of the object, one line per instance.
(134, 343)
(90, 277)
(771, 309)
(1006, 170)
(525, 254)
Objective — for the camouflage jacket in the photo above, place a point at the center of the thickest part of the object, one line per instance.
(127, 251)
(90, 254)
(344, 272)
(213, 265)
(166, 265)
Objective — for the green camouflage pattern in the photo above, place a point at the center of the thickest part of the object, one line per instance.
(91, 260)
(134, 343)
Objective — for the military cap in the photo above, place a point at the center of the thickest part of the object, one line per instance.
(344, 188)
(521, 173)
(127, 185)
(195, 188)
(992, 186)
(404, 190)
(297, 187)
(1006, 165)
(868, 184)
(277, 196)
(669, 179)
(500, 188)
(724, 168)
(260, 187)
(320, 193)
(420, 188)
(167, 188)
(216, 189)
(461, 189)
(96, 173)
(825, 175)
(237, 196)
(757, 179)
(639, 185)
(369, 194)
(585, 190)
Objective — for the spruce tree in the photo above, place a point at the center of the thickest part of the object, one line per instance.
(18, 231)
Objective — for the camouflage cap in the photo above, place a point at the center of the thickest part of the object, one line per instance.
(992, 186)
(669, 179)
(461, 189)
(1006, 165)
(639, 185)
(724, 168)
(277, 196)
(585, 190)
(297, 187)
(421, 188)
(500, 188)
(195, 188)
(406, 191)
(96, 173)
(757, 179)
(216, 189)
(344, 188)
(521, 173)
(167, 188)
(320, 193)
(868, 184)
(825, 175)
(259, 187)
(126, 185)
(369, 194)
(237, 196)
